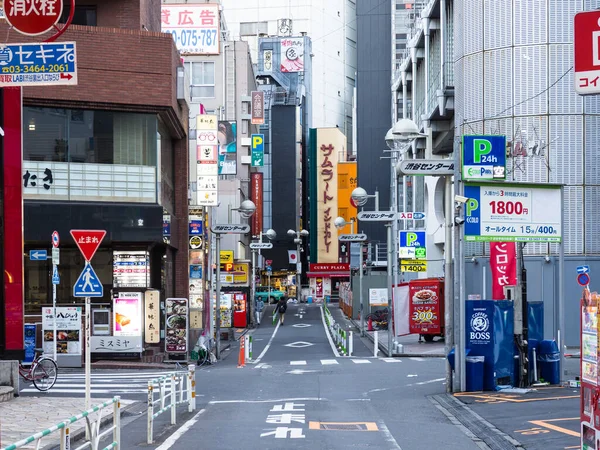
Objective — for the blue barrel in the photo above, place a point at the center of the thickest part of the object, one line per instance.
(549, 361)
(474, 373)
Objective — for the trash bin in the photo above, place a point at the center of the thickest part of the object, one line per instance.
(474, 373)
(451, 356)
(549, 361)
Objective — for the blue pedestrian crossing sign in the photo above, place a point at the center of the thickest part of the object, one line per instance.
(583, 269)
(55, 277)
(88, 284)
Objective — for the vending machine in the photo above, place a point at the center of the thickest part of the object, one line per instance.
(590, 392)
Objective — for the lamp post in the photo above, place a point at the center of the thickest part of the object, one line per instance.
(256, 247)
(340, 222)
(298, 235)
(246, 209)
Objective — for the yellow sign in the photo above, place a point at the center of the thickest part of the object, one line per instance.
(239, 276)
(226, 256)
(413, 265)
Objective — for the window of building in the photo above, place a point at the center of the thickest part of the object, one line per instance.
(253, 28)
(202, 77)
(84, 15)
(95, 137)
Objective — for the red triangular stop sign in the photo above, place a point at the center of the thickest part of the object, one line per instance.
(88, 241)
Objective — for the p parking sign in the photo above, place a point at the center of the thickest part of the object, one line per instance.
(258, 150)
(484, 157)
(413, 244)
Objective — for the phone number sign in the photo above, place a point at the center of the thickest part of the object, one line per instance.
(512, 212)
(47, 63)
(195, 27)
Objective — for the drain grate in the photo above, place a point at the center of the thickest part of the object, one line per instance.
(343, 427)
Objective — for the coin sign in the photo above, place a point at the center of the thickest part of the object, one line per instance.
(32, 17)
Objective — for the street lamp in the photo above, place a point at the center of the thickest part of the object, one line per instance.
(246, 209)
(298, 235)
(340, 223)
(256, 248)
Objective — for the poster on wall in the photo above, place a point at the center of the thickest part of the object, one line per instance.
(589, 344)
(127, 314)
(176, 322)
(68, 330)
(292, 55)
(131, 269)
(378, 297)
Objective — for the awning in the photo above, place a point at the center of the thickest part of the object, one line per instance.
(328, 274)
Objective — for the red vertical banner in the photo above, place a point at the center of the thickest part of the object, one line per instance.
(503, 264)
(256, 195)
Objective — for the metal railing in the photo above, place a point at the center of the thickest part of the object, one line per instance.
(342, 338)
(93, 430)
(175, 388)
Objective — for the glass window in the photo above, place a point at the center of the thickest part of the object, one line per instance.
(95, 137)
(84, 15)
(202, 77)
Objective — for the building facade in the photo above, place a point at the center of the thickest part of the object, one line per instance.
(104, 155)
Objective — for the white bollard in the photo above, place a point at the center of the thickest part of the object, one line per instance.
(376, 342)
(350, 343)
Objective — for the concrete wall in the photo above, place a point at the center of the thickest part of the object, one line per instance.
(370, 281)
(9, 374)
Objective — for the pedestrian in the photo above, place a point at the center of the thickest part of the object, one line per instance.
(280, 308)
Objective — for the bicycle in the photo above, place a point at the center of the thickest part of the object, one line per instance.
(203, 350)
(42, 372)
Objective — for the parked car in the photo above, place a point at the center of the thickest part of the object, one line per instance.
(262, 293)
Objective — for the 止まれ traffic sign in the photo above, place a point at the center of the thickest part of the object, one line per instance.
(352, 237)
(32, 17)
(431, 167)
(583, 269)
(583, 279)
(50, 63)
(411, 215)
(261, 245)
(376, 216)
(88, 284)
(55, 277)
(55, 239)
(484, 157)
(231, 229)
(587, 52)
(38, 255)
(88, 241)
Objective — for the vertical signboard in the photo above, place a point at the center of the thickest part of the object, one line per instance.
(68, 330)
(256, 195)
(347, 182)
(152, 317)
(195, 27)
(127, 314)
(29, 343)
(268, 61)
(586, 33)
(131, 269)
(176, 322)
(258, 107)
(292, 54)
(227, 137)
(484, 157)
(207, 160)
(258, 150)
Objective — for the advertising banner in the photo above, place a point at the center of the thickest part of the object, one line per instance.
(227, 142)
(503, 264)
(176, 321)
(425, 298)
(131, 269)
(378, 297)
(127, 314)
(512, 212)
(256, 195)
(152, 317)
(292, 55)
(258, 107)
(195, 27)
(207, 156)
(68, 330)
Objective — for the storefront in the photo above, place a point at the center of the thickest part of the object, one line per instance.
(324, 280)
(235, 294)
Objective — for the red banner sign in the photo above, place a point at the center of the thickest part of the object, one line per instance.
(256, 195)
(503, 263)
(425, 314)
(329, 267)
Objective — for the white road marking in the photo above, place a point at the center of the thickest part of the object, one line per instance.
(299, 344)
(180, 432)
(300, 371)
(437, 380)
(417, 359)
(361, 361)
(335, 350)
(391, 360)
(94, 391)
(258, 366)
(301, 325)
(388, 435)
(301, 316)
(297, 363)
(267, 347)
(327, 362)
(280, 400)
(410, 375)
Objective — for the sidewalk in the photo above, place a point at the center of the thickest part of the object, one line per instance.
(25, 416)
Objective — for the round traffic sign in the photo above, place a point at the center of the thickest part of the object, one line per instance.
(32, 17)
(583, 279)
(55, 239)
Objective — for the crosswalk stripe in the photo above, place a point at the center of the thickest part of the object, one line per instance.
(327, 362)
(417, 359)
(297, 363)
(391, 360)
(361, 361)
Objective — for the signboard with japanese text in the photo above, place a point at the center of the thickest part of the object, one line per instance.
(49, 63)
(425, 306)
(378, 297)
(195, 226)
(484, 157)
(127, 314)
(152, 317)
(227, 137)
(131, 269)
(68, 330)
(513, 212)
(413, 265)
(429, 167)
(207, 168)
(239, 276)
(195, 27)
(503, 265)
(256, 195)
(258, 150)
(412, 244)
(258, 107)
(586, 33)
(116, 344)
(176, 321)
(268, 61)
(335, 267)
(32, 17)
(292, 54)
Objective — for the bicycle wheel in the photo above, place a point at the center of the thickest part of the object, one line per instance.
(44, 374)
(202, 356)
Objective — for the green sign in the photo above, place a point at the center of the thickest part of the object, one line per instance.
(420, 253)
(258, 159)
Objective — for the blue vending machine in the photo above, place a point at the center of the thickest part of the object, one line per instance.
(489, 328)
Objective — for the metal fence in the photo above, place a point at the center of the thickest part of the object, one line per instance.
(93, 430)
(174, 389)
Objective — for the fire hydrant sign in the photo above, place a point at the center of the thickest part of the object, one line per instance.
(32, 17)
(512, 212)
(50, 63)
(587, 52)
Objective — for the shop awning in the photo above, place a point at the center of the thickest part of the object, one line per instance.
(328, 274)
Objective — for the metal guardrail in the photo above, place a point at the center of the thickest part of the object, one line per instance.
(93, 430)
(342, 338)
(177, 388)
